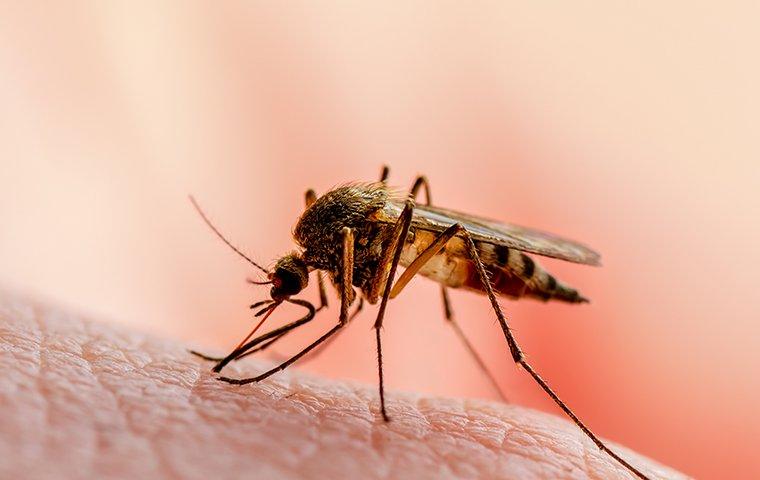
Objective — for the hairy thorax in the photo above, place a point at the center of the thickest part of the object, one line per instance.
(319, 231)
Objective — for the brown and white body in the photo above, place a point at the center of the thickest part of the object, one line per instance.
(512, 273)
(358, 234)
(374, 211)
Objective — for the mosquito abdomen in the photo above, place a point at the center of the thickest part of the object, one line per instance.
(516, 274)
(512, 272)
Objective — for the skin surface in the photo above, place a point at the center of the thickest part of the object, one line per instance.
(81, 399)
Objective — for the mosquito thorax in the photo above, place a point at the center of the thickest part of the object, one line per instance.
(290, 276)
(346, 206)
(319, 229)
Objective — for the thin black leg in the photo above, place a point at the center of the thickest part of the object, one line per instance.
(285, 364)
(316, 353)
(274, 334)
(422, 182)
(519, 358)
(400, 231)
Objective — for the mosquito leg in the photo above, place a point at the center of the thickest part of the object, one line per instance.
(263, 346)
(519, 357)
(327, 343)
(433, 249)
(384, 173)
(249, 348)
(389, 264)
(314, 354)
(282, 331)
(206, 357)
(285, 364)
(347, 296)
(422, 181)
(277, 332)
(309, 197)
(478, 359)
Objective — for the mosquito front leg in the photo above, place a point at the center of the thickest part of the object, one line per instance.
(519, 357)
(246, 349)
(347, 296)
(285, 364)
(263, 346)
(318, 351)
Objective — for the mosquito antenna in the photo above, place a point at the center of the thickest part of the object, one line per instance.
(218, 234)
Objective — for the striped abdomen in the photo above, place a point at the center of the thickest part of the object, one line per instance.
(512, 273)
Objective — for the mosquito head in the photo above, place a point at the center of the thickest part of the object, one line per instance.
(290, 276)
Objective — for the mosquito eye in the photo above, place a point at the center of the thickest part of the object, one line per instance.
(286, 282)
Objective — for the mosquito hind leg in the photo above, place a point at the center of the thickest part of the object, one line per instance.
(519, 357)
(422, 182)
(433, 249)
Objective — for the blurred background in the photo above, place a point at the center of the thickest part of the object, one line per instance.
(633, 128)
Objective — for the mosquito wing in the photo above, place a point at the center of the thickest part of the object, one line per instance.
(525, 239)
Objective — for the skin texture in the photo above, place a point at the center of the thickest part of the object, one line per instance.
(82, 399)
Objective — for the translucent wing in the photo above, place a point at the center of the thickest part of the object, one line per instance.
(498, 233)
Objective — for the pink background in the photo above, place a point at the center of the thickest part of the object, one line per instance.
(633, 128)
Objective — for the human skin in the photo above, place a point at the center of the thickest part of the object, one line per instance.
(84, 399)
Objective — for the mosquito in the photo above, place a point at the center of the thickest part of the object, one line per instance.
(359, 233)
